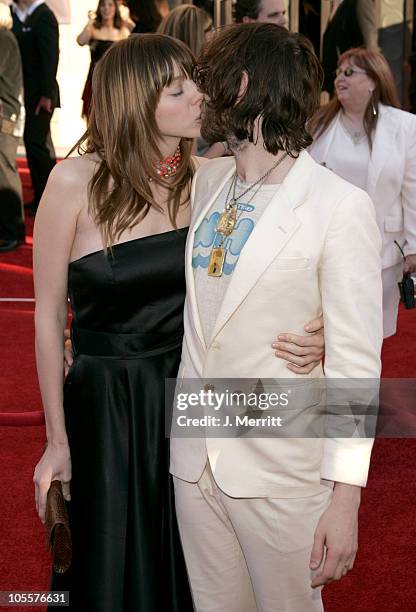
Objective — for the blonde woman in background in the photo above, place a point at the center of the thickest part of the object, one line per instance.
(193, 26)
(190, 24)
(104, 28)
(365, 138)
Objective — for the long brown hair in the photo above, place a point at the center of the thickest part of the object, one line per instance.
(123, 132)
(377, 68)
(98, 21)
(189, 24)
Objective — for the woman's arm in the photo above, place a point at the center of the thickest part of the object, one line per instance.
(54, 234)
(87, 33)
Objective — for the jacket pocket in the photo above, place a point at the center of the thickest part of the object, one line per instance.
(291, 263)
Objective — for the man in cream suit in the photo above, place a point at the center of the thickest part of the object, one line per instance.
(275, 240)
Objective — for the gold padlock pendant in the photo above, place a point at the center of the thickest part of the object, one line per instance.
(216, 261)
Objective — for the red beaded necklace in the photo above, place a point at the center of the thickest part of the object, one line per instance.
(170, 165)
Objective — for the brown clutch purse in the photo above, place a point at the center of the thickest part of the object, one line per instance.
(58, 534)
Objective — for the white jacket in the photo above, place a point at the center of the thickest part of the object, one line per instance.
(316, 248)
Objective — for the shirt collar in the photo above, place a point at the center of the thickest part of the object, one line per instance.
(24, 14)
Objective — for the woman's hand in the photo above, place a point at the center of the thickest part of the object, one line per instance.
(55, 464)
(303, 353)
(410, 264)
(68, 352)
(85, 36)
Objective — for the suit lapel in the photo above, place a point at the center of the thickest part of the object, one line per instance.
(384, 136)
(273, 230)
(204, 196)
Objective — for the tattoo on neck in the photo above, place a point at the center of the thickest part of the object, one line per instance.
(236, 145)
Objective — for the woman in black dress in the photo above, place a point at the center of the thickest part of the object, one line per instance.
(104, 28)
(111, 232)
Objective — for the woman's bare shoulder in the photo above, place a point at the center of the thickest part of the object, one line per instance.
(68, 183)
(74, 171)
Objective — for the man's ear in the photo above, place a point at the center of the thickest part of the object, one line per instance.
(247, 19)
(243, 85)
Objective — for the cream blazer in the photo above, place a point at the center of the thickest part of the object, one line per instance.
(316, 248)
(391, 180)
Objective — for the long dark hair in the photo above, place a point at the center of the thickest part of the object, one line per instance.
(98, 21)
(284, 83)
(377, 68)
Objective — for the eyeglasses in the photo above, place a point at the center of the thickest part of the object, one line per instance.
(347, 72)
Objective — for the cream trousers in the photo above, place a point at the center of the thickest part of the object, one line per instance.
(250, 554)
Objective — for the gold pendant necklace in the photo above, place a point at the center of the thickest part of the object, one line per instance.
(228, 220)
(216, 261)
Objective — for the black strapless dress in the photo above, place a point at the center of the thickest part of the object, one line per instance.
(127, 329)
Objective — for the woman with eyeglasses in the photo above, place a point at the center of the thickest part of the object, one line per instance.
(364, 137)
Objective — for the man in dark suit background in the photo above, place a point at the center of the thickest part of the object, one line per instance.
(37, 32)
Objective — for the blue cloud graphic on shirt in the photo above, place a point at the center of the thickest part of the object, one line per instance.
(206, 238)
(205, 234)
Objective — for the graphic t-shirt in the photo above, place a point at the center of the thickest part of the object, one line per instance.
(210, 290)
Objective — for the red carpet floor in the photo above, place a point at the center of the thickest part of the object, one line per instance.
(383, 577)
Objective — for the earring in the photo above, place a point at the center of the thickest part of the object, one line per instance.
(372, 102)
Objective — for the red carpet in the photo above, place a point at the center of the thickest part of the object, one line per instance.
(24, 561)
(399, 351)
(383, 577)
(17, 331)
(18, 371)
